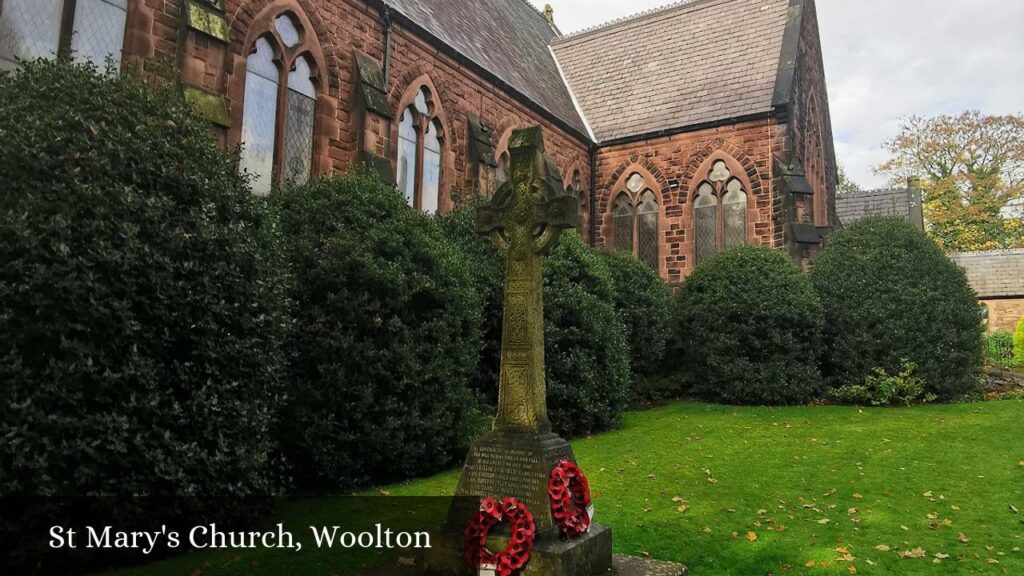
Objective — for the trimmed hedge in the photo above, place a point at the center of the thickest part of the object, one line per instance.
(384, 341)
(585, 349)
(587, 359)
(487, 267)
(890, 294)
(642, 300)
(748, 330)
(139, 310)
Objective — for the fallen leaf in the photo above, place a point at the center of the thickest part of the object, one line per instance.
(706, 530)
(963, 538)
(1014, 509)
(915, 553)
(824, 521)
(852, 511)
(857, 496)
(852, 569)
(682, 508)
(993, 561)
(882, 548)
(904, 527)
(810, 564)
(940, 556)
(751, 536)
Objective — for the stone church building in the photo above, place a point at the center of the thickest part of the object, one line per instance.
(681, 131)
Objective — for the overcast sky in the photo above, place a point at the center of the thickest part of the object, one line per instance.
(887, 59)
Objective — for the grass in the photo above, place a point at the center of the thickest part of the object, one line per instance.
(808, 490)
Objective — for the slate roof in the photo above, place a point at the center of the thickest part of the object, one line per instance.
(508, 38)
(687, 64)
(994, 273)
(888, 202)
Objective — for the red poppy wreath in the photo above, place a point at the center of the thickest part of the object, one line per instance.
(516, 553)
(570, 499)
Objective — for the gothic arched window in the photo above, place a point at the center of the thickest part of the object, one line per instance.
(89, 30)
(719, 213)
(420, 150)
(278, 116)
(635, 221)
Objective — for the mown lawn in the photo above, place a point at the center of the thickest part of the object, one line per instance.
(752, 491)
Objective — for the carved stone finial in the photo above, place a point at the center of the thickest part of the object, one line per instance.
(549, 13)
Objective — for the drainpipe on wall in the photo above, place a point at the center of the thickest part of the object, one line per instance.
(591, 237)
(385, 14)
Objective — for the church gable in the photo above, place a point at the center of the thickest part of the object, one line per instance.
(693, 64)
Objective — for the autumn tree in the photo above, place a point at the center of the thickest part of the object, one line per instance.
(971, 166)
(845, 184)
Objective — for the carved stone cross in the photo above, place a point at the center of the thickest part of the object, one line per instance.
(524, 219)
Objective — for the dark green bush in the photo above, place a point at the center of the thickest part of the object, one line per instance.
(139, 314)
(642, 301)
(999, 349)
(487, 267)
(747, 330)
(384, 340)
(890, 294)
(585, 350)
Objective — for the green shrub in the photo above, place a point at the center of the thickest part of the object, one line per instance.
(585, 350)
(1018, 342)
(384, 340)
(890, 294)
(999, 349)
(642, 301)
(139, 313)
(487, 267)
(747, 330)
(883, 389)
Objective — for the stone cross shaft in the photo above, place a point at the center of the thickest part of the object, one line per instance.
(524, 219)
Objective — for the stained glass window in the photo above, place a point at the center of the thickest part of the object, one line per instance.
(407, 156)
(32, 29)
(431, 167)
(705, 222)
(635, 183)
(719, 172)
(421, 135)
(279, 126)
(734, 214)
(647, 232)
(259, 118)
(99, 31)
(622, 224)
(299, 124)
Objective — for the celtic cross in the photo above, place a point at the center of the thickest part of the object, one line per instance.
(524, 219)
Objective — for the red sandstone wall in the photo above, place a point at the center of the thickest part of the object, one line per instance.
(675, 165)
(156, 36)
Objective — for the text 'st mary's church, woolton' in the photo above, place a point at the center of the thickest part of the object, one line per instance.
(681, 131)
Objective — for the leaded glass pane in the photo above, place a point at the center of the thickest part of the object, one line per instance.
(431, 168)
(705, 223)
(635, 183)
(420, 103)
(288, 30)
(622, 225)
(29, 29)
(99, 31)
(734, 213)
(647, 235)
(719, 172)
(259, 117)
(299, 123)
(407, 156)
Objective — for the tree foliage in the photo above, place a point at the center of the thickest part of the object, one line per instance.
(845, 184)
(972, 168)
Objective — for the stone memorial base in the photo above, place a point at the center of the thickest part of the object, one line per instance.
(621, 566)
